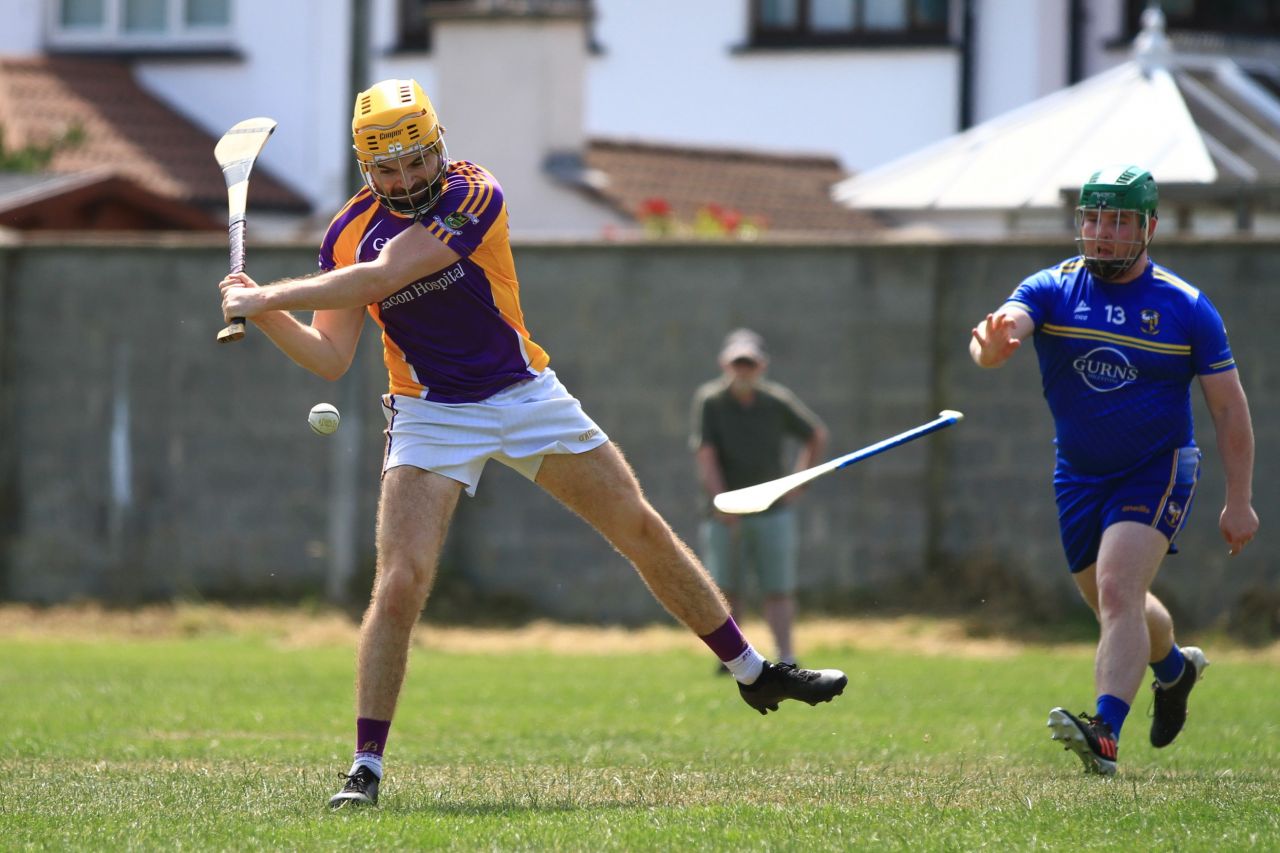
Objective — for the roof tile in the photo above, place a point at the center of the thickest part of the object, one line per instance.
(125, 127)
(790, 193)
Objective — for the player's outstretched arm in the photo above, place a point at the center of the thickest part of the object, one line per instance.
(407, 257)
(326, 347)
(1234, 427)
(994, 340)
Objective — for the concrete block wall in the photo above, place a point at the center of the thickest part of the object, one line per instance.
(141, 460)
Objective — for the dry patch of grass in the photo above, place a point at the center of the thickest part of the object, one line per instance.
(87, 621)
(296, 627)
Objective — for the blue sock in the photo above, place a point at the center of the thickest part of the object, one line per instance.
(1169, 670)
(1112, 711)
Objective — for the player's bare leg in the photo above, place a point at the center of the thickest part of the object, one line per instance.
(1118, 589)
(1170, 695)
(413, 517)
(1135, 624)
(599, 486)
(1159, 622)
(1128, 559)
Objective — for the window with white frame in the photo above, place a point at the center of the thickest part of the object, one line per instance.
(415, 16)
(835, 23)
(139, 24)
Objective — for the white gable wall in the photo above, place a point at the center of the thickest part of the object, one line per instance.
(1105, 45)
(23, 26)
(1022, 50)
(295, 71)
(669, 71)
(510, 115)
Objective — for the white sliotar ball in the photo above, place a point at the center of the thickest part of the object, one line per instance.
(324, 418)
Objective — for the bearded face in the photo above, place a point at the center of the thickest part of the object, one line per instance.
(411, 182)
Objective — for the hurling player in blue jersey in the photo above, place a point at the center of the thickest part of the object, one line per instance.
(1119, 339)
(423, 248)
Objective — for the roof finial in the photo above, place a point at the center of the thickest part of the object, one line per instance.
(1151, 47)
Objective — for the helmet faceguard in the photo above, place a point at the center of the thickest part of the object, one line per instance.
(399, 146)
(1115, 242)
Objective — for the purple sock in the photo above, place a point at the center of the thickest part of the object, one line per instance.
(726, 641)
(371, 736)
(1113, 711)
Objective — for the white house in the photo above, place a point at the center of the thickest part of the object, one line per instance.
(521, 85)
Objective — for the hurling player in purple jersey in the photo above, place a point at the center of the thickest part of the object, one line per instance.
(424, 249)
(1119, 339)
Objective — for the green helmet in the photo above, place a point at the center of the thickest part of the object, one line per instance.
(1110, 191)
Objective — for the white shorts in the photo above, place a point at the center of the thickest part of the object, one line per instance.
(517, 426)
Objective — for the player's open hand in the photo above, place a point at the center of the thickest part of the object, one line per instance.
(996, 340)
(240, 296)
(1239, 524)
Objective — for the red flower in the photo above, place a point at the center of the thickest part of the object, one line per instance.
(654, 207)
(730, 220)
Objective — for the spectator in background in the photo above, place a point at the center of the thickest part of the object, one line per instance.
(741, 423)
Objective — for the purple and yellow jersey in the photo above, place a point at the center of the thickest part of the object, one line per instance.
(1117, 360)
(458, 335)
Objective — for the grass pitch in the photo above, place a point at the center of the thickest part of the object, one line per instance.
(202, 729)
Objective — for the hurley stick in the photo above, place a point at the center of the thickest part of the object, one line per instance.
(235, 152)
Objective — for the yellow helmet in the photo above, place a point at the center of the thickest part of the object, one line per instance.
(399, 145)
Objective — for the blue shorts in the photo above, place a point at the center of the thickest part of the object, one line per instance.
(1157, 493)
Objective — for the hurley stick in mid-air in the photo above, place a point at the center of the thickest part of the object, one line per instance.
(761, 496)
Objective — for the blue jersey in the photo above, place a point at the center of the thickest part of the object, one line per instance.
(1117, 360)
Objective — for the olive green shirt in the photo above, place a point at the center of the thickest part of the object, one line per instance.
(749, 440)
